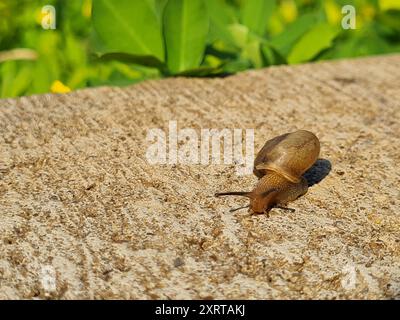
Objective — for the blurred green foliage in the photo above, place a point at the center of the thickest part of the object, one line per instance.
(119, 42)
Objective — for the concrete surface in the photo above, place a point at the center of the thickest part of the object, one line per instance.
(84, 215)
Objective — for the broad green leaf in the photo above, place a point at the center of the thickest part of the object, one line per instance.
(313, 42)
(144, 60)
(285, 40)
(22, 80)
(43, 77)
(221, 16)
(128, 26)
(48, 67)
(7, 74)
(160, 5)
(74, 54)
(256, 14)
(185, 31)
(78, 78)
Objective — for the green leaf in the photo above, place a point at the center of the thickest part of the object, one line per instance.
(256, 14)
(389, 20)
(313, 42)
(271, 56)
(185, 31)
(128, 26)
(202, 71)
(160, 5)
(22, 80)
(239, 34)
(252, 52)
(221, 16)
(73, 52)
(7, 72)
(212, 61)
(144, 60)
(236, 66)
(43, 77)
(286, 39)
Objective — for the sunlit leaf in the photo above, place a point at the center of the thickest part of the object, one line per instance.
(43, 77)
(285, 40)
(22, 79)
(314, 41)
(256, 13)
(221, 16)
(7, 72)
(128, 26)
(160, 5)
(73, 52)
(185, 30)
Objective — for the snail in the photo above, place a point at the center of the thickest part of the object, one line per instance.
(279, 165)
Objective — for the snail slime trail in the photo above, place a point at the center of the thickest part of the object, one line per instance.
(279, 165)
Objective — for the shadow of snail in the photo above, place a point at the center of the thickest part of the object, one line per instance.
(286, 166)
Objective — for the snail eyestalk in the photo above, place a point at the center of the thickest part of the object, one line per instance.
(285, 208)
(236, 209)
(235, 193)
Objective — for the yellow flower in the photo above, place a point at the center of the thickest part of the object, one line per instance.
(288, 10)
(368, 12)
(389, 4)
(39, 15)
(45, 15)
(332, 11)
(58, 87)
(275, 25)
(87, 8)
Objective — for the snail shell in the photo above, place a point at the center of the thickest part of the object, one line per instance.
(289, 155)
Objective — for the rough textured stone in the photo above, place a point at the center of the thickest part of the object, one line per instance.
(77, 194)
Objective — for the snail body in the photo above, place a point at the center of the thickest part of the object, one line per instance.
(279, 165)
